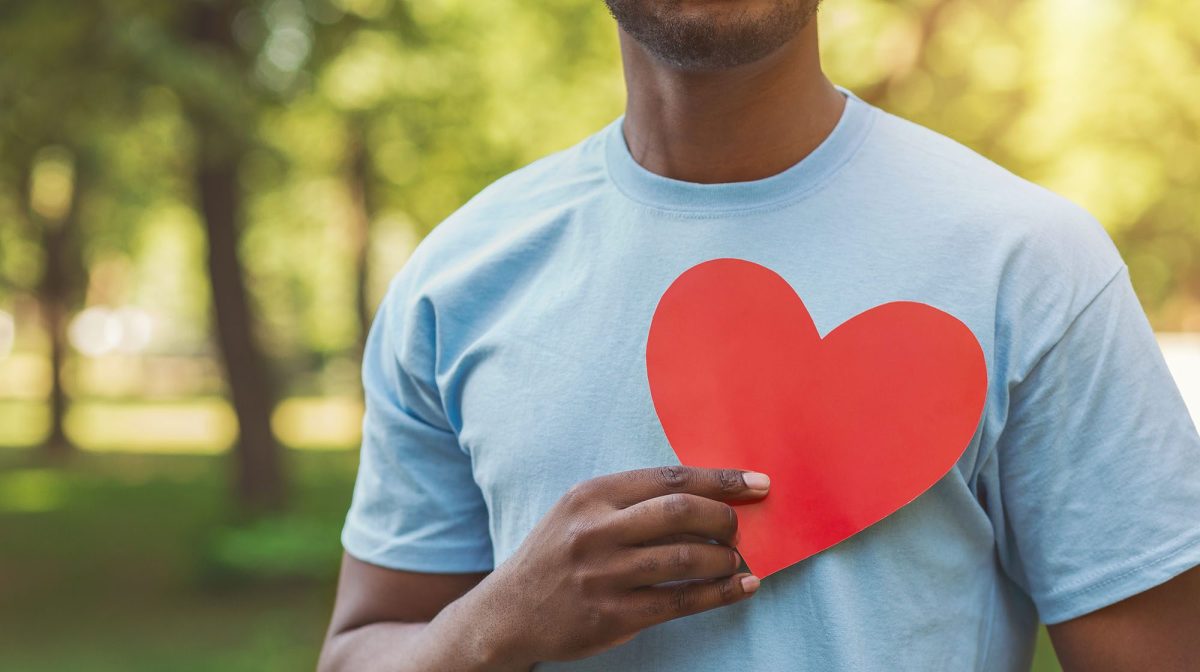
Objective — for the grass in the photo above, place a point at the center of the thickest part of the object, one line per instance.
(134, 562)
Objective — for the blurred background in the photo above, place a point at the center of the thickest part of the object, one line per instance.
(201, 203)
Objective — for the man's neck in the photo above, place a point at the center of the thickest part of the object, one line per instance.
(733, 125)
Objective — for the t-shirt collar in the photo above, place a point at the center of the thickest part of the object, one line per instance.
(657, 190)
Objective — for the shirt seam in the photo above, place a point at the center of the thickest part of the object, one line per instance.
(1121, 268)
(769, 206)
(384, 546)
(991, 449)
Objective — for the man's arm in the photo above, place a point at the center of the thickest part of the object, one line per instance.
(380, 614)
(1155, 630)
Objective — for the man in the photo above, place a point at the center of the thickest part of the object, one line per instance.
(518, 503)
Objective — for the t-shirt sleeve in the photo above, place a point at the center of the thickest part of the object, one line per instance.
(1099, 465)
(416, 505)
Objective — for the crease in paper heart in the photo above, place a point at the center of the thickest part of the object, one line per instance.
(850, 427)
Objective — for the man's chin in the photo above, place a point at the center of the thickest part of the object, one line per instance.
(711, 34)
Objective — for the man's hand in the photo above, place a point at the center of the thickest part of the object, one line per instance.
(586, 578)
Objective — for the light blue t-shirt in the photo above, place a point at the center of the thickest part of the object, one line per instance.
(507, 363)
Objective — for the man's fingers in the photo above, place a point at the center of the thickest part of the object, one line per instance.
(648, 565)
(630, 487)
(678, 513)
(654, 605)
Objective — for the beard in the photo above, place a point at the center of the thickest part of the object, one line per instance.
(711, 35)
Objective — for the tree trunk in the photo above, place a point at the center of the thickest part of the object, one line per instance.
(259, 474)
(58, 287)
(363, 208)
(53, 300)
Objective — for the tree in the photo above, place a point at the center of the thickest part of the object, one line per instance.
(260, 481)
(52, 193)
(192, 50)
(48, 157)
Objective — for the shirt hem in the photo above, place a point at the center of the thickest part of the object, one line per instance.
(433, 559)
(1119, 585)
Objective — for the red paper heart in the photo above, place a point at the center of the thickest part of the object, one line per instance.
(849, 427)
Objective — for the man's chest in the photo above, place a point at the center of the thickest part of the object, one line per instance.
(558, 391)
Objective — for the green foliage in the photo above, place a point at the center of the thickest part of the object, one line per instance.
(278, 549)
(1098, 102)
(446, 96)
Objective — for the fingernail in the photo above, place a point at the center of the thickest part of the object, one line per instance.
(750, 583)
(756, 481)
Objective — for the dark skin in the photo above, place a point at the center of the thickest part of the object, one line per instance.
(730, 124)
(718, 91)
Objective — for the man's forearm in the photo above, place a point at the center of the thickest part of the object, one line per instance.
(456, 639)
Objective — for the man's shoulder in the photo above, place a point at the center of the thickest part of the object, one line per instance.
(935, 166)
(510, 215)
(541, 187)
(1045, 255)
(973, 198)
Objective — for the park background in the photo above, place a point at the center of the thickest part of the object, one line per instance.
(201, 203)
